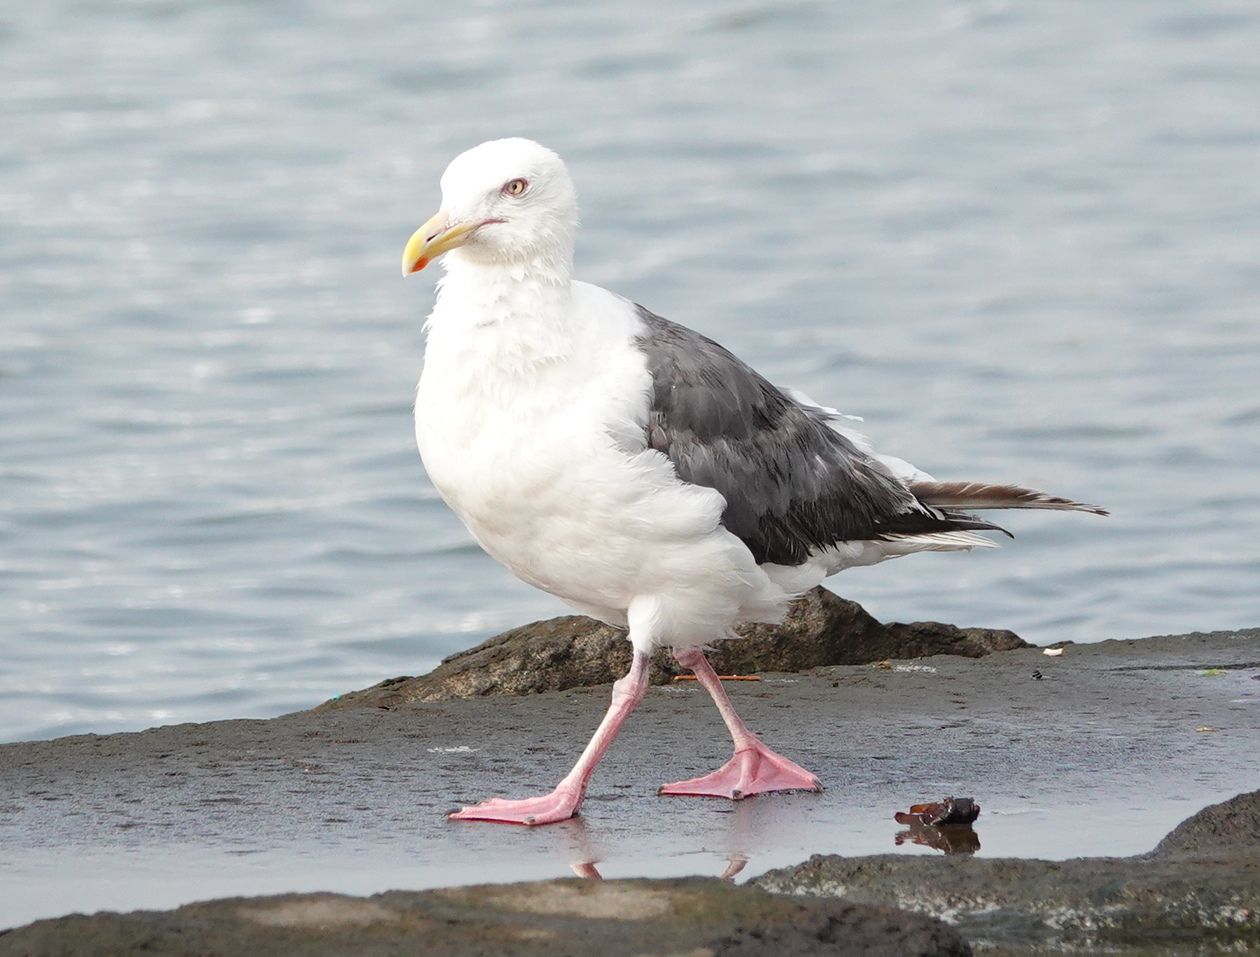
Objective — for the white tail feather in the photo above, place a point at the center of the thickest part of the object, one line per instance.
(942, 541)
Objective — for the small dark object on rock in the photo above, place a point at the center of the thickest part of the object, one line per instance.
(1037, 676)
(943, 825)
(947, 812)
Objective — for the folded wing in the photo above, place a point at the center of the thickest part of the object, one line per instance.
(793, 485)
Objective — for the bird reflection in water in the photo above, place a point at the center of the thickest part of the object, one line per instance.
(585, 856)
(943, 826)
(587, 870)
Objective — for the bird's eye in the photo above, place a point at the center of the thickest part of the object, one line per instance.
(515, 187)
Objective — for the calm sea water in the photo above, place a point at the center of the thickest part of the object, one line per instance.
(1021, 240)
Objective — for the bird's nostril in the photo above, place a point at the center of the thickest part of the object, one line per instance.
(431, 237)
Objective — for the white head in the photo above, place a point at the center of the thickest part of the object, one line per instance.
(503, 202)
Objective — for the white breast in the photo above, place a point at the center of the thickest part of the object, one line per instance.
(543, 457)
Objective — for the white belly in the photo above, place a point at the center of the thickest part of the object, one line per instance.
(556, 499)
(547, 491)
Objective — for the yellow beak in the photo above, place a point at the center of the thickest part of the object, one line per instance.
(435, 237)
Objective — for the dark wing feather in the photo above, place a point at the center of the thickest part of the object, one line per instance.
(792, 484)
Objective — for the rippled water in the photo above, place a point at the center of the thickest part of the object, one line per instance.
(1021, 240)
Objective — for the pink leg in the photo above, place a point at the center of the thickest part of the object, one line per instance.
(754, 768)
(562, 803)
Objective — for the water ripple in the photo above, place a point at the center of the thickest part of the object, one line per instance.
(1018, 239)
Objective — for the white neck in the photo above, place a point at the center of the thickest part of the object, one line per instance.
(506, 316)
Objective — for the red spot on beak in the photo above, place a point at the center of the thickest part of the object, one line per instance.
(420, 264)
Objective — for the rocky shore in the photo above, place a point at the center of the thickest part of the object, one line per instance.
(576, 652)
(1081, 763)
(691, 917)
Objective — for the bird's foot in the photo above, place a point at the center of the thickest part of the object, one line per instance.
(560, 805)
(754, 769)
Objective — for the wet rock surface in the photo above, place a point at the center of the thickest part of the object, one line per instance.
(1199, 892)
(693, 917)
(1202, 901)
(572, 652)
(1102, 754)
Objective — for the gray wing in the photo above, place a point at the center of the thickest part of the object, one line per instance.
(792, 484)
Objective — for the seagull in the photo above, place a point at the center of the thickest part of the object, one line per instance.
(635, 468)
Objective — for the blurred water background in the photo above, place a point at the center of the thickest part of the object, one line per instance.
(1022, 240)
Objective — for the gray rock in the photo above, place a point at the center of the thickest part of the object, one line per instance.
(1199, 892)
(196, 796)
(572, 652)
(1232, 826)
(680, 918)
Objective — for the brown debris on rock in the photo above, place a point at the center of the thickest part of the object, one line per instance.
(947, 812)
(573, 651)
(943, 825)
